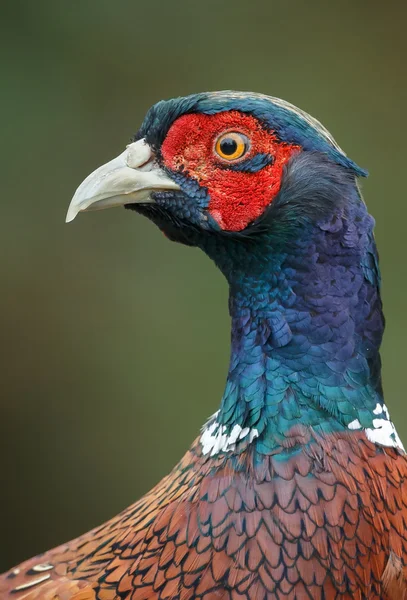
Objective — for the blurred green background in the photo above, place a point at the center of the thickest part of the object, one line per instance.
(114, 341)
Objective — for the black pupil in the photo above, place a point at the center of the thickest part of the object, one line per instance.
(228, 146)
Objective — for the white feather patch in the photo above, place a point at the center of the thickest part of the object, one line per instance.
(383, 431)
(215, 439)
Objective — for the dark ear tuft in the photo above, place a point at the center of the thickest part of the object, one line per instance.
(349, 164)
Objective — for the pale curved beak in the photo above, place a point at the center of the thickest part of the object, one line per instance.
(129, 178)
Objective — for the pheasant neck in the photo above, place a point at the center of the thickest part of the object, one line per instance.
(306, 330)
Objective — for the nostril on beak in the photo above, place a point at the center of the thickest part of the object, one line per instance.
(138, 154)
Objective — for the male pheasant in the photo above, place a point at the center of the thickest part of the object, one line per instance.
(296, 488)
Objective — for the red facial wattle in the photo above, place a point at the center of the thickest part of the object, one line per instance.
(236, 197)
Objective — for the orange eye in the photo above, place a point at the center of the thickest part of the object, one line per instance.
(231, 145)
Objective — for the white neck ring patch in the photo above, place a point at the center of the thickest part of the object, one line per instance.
(215, 438)
(383, 431)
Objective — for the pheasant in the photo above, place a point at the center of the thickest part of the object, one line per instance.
(296, 488)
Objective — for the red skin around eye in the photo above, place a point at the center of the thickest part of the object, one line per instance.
(236, 198)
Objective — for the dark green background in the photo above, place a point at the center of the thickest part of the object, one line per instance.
(114, 341)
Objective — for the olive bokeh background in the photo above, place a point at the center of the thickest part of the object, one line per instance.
(114, 341)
